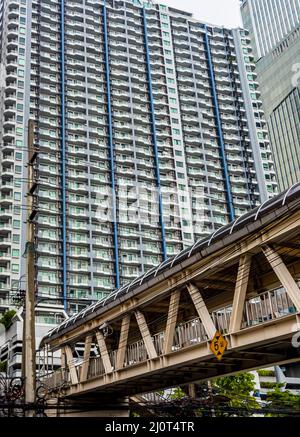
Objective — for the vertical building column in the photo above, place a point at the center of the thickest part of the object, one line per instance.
(253, 134)
(153, 125)
(227, 184)
(63, 158)
(111, 149)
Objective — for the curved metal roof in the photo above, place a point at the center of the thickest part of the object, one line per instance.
(271, 205)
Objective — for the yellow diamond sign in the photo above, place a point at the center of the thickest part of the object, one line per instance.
(218, 345)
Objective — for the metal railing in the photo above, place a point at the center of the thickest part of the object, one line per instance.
(221, 319)
(135, 353)
(56, 379)
(96, 367)
(189, 333)
(269, 305)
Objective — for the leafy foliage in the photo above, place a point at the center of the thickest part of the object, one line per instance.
(178, 394)
(7, 317)
(264, 372)
(237, 389)
(3, 366)
(283, 400)
(267, 384)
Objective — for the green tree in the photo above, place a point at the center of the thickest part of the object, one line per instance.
(3, 366)
(7, 317)
(283, 401)
(178, 393)
(237, 389)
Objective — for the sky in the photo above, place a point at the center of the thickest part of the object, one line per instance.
(221, 12)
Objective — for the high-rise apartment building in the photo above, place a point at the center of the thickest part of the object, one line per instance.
(274, 30)
(149, 131)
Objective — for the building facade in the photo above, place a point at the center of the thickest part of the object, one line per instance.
(150, 134)
(278, 70)
(269, 22)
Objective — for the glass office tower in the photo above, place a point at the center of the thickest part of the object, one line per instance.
(274, 30)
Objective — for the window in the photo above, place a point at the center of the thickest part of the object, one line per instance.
(15, 253)
(19, 143)
(178, 152)
(170, 71)
(17, 196)
(179, 164)
(180, 175)
(16, 238)
(177, 142)
(21, 73)
(15, 268)
(176, 131)
(19, 156)
(16, 224)
(175, 121)
(170, 80)
(168, 52)
(22, 40)
(22, 30)
(173, 101)
(18, 169)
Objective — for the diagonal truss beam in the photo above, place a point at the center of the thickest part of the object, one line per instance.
(283, 274)
(103, 352)
(71, 366)
(86, 358)
(141, 321)
(241, 286)
(171, 321)
(202, 310)
(123, 341)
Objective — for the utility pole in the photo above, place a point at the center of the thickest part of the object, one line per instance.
(28, 355)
